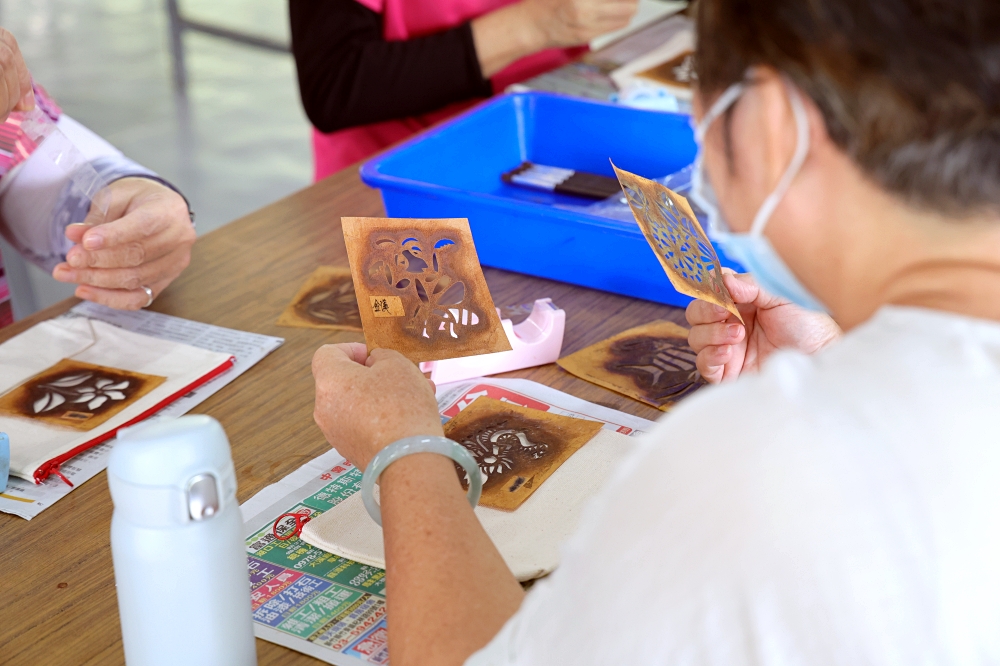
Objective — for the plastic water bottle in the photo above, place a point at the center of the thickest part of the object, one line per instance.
(177, 544)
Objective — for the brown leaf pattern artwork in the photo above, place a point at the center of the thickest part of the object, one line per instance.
(77, 395)
(326, 300)
(664, 369)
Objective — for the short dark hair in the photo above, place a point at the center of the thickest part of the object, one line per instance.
(910, 89)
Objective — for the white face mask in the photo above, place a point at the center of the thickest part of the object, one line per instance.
(752, 249)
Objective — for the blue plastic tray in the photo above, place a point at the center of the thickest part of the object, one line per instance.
(454, 171)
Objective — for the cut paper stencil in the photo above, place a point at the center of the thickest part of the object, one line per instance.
(677, 239)
(651, 363)
(421, 288)
(77, 395)
(516, 448)
(326, 300)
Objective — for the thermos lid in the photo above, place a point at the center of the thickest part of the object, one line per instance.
(171, 452)
(172, 472)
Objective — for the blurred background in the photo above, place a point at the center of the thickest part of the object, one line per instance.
(233, 138)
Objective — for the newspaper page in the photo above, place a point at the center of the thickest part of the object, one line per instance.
(329, 607)
(25, 499)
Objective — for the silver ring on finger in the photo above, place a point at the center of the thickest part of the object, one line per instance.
(149, 294)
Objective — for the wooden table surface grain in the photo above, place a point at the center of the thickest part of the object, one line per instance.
(57, 593)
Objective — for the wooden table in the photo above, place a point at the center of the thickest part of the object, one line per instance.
(57, 593)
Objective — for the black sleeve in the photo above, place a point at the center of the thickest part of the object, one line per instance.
(350, 75)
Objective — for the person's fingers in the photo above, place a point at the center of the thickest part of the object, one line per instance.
(328, 357)
(711, 362)
(131, 254)
(702, 312)
(708, 335)
(379, 356)
(27, 102)
(138, 225)
(10, 89)
(120, 299)
(17, 78)
(164, 268)
(745, 290)
(74, 232)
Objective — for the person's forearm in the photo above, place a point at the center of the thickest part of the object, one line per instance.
(506, 35)
(449, 590)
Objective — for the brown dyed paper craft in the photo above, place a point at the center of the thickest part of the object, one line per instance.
(677, 72)
(326, 300)
(677, 239)
(517, 448)
(651, 363)
(77, 395)
(421, 289)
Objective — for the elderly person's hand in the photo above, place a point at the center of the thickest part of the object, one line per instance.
(144, 241)
(572, 22)
(15, 81)
(364, 403)
(726, 348)
(522, 28)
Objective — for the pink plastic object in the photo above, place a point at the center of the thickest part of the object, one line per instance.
(536, 341)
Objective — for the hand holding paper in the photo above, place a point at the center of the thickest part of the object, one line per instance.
(726, 349)
(672, 230)
(145, 243)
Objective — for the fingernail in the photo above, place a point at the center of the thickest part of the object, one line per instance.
(63, 273)
(733, 330)
(718, 309)
(75, 259)
(93, 241)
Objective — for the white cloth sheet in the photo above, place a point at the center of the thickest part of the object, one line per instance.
(528, 538)
(33, 443)
(842, 508)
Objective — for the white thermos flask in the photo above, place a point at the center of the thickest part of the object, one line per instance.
(177, 544)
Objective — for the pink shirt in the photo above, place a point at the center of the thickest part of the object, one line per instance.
(405, 19)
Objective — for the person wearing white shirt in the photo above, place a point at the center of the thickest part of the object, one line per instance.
(833, 498)
(123, 252)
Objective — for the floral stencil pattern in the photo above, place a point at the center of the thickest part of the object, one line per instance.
(677, 239)
(77, 395)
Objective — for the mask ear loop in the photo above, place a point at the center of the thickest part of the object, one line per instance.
(720, 106)
(798, 159)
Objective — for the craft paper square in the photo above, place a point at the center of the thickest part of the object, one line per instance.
(422, 288)
(672, 230)
(77, 395)
(325, 300)
(516, 448)
(651, 363)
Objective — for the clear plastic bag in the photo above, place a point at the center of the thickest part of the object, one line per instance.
(85, 196)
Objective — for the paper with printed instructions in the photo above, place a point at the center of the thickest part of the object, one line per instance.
(421, 289)
(672, 230)
(25, 499)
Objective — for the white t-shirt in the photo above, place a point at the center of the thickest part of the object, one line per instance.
(841, 508)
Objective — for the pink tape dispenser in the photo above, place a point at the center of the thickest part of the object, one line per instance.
(535, 341)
